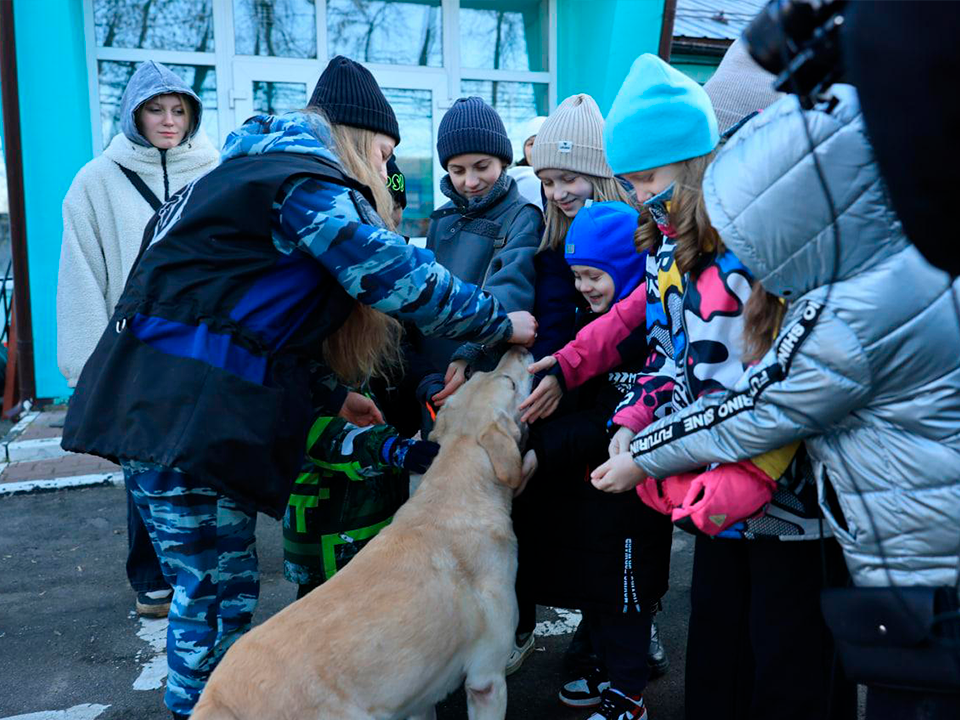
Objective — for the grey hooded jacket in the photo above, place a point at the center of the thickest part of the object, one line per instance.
(149, 80)
(867, 364)
(463, 242)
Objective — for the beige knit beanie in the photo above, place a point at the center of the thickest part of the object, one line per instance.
(739, 87)
(572, 139)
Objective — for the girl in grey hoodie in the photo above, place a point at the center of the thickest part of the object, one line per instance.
(162, 145)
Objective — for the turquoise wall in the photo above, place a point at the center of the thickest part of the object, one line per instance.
(57, 142)
(597, 42)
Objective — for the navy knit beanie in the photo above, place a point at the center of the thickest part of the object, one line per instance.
(349, 95)
(601, 236)
(472, 126)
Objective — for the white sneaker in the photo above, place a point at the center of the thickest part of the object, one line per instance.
(521, 648)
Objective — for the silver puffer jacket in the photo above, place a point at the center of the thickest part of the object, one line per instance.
(867, 364)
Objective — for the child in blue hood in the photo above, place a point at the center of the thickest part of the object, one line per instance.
(605, 555)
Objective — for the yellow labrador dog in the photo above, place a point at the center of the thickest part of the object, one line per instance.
(426, 605)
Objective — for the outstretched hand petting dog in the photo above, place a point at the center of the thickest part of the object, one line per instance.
(455, 377)
(618, 474)
(546, 396)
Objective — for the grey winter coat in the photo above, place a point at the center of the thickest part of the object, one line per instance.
(463, 239)
(866, 367)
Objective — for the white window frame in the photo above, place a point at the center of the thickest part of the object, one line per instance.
(223, 56)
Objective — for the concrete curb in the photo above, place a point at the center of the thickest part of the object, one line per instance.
(64, 483)
(39, 449)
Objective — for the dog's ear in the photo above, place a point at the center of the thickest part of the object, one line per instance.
(499, 439)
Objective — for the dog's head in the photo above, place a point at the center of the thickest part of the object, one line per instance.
(486, 408)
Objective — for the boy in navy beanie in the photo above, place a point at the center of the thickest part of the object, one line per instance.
(473, 127)
(488, 233)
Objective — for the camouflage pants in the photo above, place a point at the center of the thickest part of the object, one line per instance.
(208, 555)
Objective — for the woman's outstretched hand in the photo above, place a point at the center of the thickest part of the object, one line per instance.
(546, 396)
(524, 328)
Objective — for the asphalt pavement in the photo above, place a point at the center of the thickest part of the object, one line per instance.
(71, 647)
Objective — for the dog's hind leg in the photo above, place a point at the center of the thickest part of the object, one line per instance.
(430, 714)
(487, 697)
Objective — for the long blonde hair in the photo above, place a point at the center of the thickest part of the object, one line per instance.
(557, 224)
(368, 343)
(688, 215)
(762, 315)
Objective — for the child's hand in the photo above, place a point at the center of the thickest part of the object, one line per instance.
(618, 474)
(544, 363)
(543, 400)
(360, 410)
(620, 442)
(455, 377)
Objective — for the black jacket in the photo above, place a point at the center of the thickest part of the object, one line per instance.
(203, 367)
(581, 547)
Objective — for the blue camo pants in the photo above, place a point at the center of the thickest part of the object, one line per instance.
(208, 554)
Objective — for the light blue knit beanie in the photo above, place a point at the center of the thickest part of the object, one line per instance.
(660, 116)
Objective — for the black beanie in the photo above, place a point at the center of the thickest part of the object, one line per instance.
(472, 126)
(349, 95)
(396, 183)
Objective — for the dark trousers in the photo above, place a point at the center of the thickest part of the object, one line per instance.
(143, 567)
(758, 648)
(889, 704)
(621, 641)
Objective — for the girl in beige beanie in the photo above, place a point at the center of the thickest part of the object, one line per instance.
(568, 158)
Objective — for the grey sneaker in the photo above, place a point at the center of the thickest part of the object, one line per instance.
(523, 645)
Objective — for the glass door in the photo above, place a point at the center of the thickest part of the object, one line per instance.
(415, 98)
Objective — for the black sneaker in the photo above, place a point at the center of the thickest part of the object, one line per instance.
(585, 691)
(657, 658)
(154, 604)
(614, 705)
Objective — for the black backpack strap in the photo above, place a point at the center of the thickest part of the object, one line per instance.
(145, 192)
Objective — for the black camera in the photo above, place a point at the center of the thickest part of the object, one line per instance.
(799, 42)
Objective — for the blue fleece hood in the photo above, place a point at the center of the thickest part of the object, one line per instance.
(601, 236)
(149, 80)
(305, 133)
